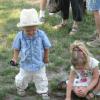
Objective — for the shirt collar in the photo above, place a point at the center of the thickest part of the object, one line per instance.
(25, 36)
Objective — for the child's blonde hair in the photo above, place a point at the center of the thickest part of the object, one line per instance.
(83, 48)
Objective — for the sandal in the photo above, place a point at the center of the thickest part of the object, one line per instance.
(94, 36)
(59, 26)
(73, 31)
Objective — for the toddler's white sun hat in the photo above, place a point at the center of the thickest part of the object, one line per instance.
(29, 17)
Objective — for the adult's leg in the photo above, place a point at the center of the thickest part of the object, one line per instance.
(65, 9)
(84, 6)
(77, 11)
(96, 42)
(43, 4)
(64, 13)
(97, 22)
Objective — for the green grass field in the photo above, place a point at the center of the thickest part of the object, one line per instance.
(59, 53)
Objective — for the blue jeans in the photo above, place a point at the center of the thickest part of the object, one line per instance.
(93, 5)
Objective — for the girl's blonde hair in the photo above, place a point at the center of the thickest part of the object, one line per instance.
(83, 48)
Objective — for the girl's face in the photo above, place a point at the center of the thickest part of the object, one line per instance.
(78, 58)
(30, 30)
(79, 52)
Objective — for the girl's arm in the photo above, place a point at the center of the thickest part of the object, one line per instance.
(15, 55)
(70, 85)
(94, 79)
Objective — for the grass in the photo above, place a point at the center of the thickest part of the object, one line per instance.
(59, 53)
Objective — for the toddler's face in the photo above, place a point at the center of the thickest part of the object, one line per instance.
(29, 30)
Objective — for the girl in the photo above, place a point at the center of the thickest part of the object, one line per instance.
(84, 75)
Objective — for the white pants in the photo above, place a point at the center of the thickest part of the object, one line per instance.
(39, 78)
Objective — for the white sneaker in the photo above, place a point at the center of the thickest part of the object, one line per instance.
(45, 96)
(21, 92)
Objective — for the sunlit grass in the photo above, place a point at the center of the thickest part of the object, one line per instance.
(60, 39)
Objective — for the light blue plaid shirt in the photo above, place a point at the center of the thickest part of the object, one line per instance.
(31, 49)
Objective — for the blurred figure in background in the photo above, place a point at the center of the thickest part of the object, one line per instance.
(94, 6)
(43, 4)
(77, 12)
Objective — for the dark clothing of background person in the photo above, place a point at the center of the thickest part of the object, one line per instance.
(77, 9)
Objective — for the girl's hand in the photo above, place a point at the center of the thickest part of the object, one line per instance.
(77, 91)
(83, 91)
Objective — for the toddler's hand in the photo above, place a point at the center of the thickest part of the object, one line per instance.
(46, 60)
(80, 91)
(13, 63)
(83, 91)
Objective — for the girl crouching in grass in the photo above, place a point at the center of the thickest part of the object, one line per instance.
(84, 78)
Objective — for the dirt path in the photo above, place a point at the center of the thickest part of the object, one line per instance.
(55, 96)
(14, 97)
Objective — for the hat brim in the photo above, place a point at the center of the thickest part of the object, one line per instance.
(25, 25)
